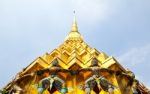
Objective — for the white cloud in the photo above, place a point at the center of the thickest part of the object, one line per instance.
(136, 55)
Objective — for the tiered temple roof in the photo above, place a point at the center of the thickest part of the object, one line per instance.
(75, 54)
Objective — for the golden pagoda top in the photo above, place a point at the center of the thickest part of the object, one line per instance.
(74, 35)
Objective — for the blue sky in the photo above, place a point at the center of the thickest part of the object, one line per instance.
(29, 28)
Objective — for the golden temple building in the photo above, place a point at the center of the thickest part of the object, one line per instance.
(75, 68)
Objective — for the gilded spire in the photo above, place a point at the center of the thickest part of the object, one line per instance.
(74, 35)
(74, 24)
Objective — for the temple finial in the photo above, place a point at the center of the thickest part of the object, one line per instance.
(74, 25)
(74, 35)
